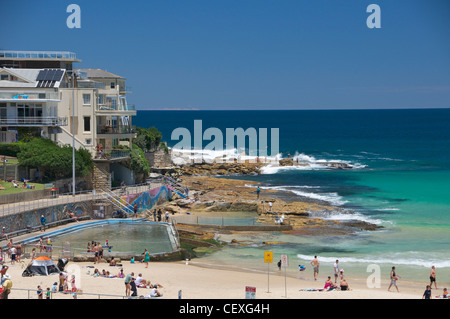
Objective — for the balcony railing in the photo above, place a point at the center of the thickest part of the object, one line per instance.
(28, 96)
(34, 121)
(113, 154)
(38, 55)
(107, 129)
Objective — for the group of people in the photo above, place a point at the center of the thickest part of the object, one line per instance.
(14, 251)
(97, 248)
(427, 292)
(16, 184)
(338, 274)
(132, 283)
(157, 215)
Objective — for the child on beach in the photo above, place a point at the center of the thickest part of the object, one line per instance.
(427, 293)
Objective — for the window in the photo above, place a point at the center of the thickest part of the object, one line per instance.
(88, 141)
(86, 99)
(87, 123)
(4, 77)
(113, 85)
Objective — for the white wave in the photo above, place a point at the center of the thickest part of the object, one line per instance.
(183, 156)
(407, 259)
(332, 198)
(353, 216)
(388, 209)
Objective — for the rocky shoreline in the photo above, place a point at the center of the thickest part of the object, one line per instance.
(217, 196)
(236, 168)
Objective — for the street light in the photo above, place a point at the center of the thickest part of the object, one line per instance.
(73, 133)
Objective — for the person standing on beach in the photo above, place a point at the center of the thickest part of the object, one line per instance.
(427, 293)
(394, 278)
(146, 258)
(433, 277)
(40, 292)
(315, 264)
(154, 215)
(336, 270)
(7, 285)
(270, 206)
(258, 190)
(127, 283)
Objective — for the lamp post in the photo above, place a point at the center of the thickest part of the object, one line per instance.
(73, 133)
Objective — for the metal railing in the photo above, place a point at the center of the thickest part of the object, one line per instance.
(32, 294)
(68, 198)
(34, 121)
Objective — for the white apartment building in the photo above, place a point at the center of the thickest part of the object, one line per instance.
(41, 90)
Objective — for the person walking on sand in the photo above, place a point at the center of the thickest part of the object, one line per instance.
(315, 264)
(394, 278)
(258, 190)
(270, 206)
(433, 277)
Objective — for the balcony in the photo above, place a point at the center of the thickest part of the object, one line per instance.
(34, 121)
(41, 55)
(113, 155)
(35, 97)
(108, 129)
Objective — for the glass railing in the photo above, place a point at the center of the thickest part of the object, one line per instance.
(38, 55)
(34, 121)
(106, 129)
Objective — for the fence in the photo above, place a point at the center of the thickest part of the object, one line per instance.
(67, 198)
(22, 293)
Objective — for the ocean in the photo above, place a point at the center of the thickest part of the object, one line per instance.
(400, 180)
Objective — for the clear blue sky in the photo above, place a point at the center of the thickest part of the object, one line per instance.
(251, 54)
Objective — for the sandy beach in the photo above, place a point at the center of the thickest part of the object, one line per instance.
(197, 281)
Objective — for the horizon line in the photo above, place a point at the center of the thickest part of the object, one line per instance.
(306, 109)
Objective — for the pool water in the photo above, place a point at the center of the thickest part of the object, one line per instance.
(123, 237)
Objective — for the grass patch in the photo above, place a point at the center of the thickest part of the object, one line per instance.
(10, 189)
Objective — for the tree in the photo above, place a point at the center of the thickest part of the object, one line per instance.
(148, 139)
(138, 162)
(53, 160)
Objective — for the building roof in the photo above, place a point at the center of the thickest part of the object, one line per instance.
(28, 75)
(100, 74)
(33, 77)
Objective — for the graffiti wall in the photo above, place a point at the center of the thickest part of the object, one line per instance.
(149, 199)
(32, 218)
(145, 200)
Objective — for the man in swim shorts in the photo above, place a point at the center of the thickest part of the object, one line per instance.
(315, 264)
(433, 277)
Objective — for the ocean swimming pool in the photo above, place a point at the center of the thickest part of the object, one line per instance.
(124, 235)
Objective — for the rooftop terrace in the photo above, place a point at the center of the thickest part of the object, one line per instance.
(38, 55)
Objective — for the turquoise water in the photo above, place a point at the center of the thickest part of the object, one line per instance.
(400, 180)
